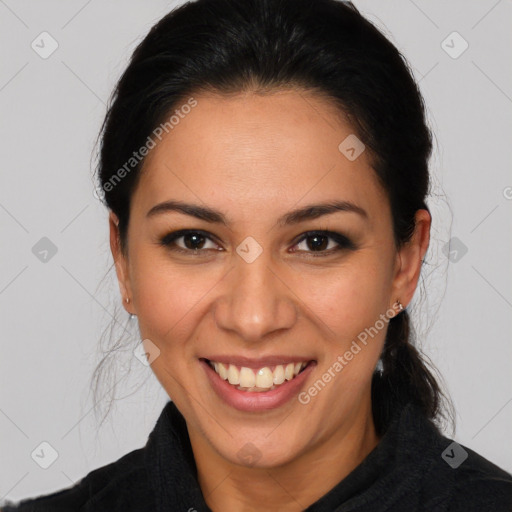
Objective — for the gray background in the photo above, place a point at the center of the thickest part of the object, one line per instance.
(53, 313)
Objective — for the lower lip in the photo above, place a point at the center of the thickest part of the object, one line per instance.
(256, 400)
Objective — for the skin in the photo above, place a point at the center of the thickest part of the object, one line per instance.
(256, 158)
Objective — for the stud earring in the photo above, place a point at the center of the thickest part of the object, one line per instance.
(399, 305)
(127, 300)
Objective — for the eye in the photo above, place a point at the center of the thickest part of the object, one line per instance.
(318, 241)
(188, 241)
(195, 242)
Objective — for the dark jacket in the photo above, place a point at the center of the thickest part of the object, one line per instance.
(413, 468)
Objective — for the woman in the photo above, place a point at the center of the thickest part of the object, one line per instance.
(265, 166)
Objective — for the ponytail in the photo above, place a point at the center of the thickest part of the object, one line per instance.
(405, 377)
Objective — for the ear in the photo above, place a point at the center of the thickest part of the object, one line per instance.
(120, 260)
(410, 258)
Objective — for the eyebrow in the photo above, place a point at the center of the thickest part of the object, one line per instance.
(309, 212)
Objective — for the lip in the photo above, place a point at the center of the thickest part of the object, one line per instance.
(256, 401)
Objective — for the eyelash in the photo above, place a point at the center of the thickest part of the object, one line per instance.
(343, 242)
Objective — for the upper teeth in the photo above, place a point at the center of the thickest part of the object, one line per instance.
(263, 378)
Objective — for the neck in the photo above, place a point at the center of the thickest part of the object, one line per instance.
(288, 488)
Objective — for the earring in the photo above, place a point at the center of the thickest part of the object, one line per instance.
(399, 305)
(131, 316)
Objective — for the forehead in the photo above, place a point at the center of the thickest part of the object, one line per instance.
(257, 151)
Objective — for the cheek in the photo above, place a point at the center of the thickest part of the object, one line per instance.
(169, 299)
(348, 303)
(351, 297)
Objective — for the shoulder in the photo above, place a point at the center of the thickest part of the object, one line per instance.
(120, 485)
(461, 479)
(441, 475)
(480, 485)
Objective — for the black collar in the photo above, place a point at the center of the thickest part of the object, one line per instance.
(393, 466)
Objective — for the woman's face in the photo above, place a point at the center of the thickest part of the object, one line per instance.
(256, 293)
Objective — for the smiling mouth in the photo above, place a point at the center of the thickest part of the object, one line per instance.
(258, 380)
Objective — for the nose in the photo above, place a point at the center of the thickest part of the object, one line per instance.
(255, 301)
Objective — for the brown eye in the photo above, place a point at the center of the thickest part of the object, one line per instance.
(188, 241)
(193, 241)
(323, 242)
(317, 242)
